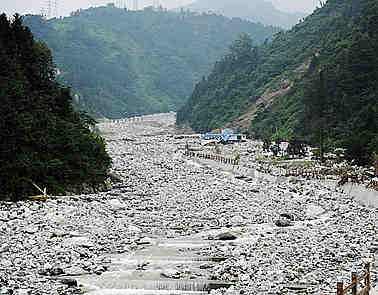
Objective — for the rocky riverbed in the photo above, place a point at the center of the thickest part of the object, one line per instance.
(274, 235)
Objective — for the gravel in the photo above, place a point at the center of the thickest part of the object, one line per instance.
(279, 235)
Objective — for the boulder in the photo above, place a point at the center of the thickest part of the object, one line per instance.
(116, 205)
(313, 211)
(74, 271)
(283, 222)
(80, 242)
(69, 282)
(227, 236)
(145, 241)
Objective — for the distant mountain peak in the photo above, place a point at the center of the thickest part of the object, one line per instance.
(257, 11)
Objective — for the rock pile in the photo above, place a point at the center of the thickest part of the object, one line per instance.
(280, 236)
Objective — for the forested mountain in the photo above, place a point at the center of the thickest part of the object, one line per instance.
(121, 62)
(43, 140)
(261, 11)
(317, 81)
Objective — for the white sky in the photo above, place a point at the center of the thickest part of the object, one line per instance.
(66, 6)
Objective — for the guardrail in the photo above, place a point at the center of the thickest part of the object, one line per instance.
(316, 173)
(353, 287)
(221, 159)
(323, 174)
(306, 172)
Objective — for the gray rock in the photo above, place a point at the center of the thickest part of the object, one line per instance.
(69, 282)
(56, 271)
(206, 266)
(79, 241)
(4, 216)
(4, 248)
(170, 274)
(283, 222)
(288, 216)
(145, 241)
(314, 211)
(135, 229)
(75, 271)
(298, 287)
(227, 236)
(23, 291)
(31, 229)
(117, 205)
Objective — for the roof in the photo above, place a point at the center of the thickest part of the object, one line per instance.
(222, 136)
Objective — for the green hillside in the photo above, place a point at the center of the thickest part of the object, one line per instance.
(43, 140)
(121, 62)
(317, 81)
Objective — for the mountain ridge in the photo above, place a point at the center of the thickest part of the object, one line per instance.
(258, 11)
(137, 62)
(329, 59)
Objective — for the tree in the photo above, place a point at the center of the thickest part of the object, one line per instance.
(44, 141)
(316, 106)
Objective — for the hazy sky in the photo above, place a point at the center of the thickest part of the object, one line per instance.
(66, 6)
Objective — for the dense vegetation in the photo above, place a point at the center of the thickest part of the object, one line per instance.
(43, 140)
(330, 61)
(261, 11)
(122, 62)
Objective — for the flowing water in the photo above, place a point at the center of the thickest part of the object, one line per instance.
(172, 266)
(166, 267)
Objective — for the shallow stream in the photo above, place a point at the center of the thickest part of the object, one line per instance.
(171, 266)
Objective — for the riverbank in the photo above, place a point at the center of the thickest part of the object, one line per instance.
(163, 195)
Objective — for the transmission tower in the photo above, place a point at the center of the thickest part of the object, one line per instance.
(50, 9)
(156, 4)
(120, 3)
(135, 4)
(56, 8)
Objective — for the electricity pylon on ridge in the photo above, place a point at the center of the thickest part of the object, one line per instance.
(56, 8)
(50, 9)
(120, 3)
(156, 4)
(135, 5)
